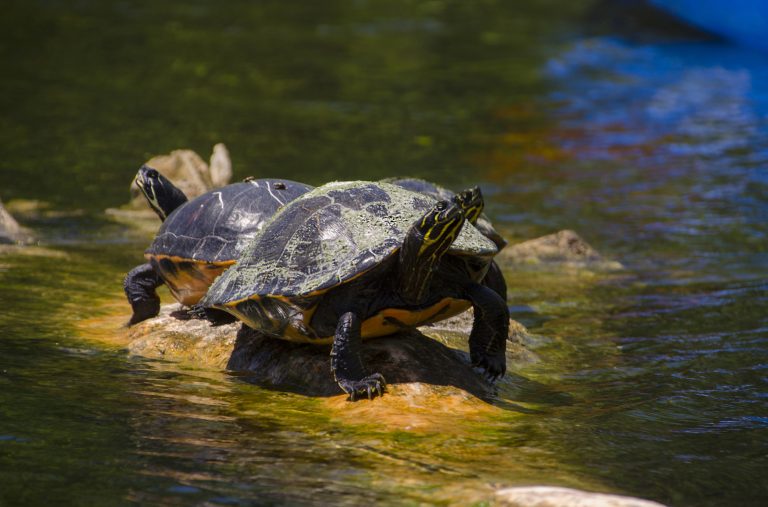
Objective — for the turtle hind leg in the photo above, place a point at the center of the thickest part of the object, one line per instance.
(212, 315)
(346, 364)
(488, 339)
(140, 286)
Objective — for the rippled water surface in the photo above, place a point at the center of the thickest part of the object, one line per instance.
(651, 381)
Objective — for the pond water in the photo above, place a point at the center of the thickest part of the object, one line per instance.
(651, 381)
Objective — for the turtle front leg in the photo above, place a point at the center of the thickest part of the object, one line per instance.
(346, 364)
(140, 286)
(488, 339)
(494, 280)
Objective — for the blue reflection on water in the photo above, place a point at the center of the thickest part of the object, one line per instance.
(666, 166)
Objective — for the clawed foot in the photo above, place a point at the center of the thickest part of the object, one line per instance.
(369, 385)
(213, 316)
(196, 312)
(143, 310)
(494, 367)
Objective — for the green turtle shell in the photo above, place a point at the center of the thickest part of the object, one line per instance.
(217, 226)
(328, 237)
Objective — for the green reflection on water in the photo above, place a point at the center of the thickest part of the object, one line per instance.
(311, 92)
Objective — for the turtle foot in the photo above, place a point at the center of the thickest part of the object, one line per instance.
(143, 310)
(367, 386)
(494, 366)
(213, 316)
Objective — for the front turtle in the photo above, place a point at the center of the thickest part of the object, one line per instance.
(200, 238)
(355, 260)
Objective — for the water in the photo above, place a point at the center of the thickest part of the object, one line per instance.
(651, 381)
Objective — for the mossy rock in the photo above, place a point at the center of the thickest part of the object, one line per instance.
(563, 248)
(424, 356)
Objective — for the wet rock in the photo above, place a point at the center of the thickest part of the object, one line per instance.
(404, 358)
(453, 332)
(409, 357)
(548, 496)
(10, 230)
(171, 336)
(564, 247)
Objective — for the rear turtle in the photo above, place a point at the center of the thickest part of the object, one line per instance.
(201, 238)
(354, 260)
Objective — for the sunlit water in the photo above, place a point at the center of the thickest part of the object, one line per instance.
(652, 381)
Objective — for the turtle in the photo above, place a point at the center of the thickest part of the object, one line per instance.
(201, 238)
(361, 259)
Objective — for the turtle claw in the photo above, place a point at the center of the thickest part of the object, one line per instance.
(493, 367)
(367, 386)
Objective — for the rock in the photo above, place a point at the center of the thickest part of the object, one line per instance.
(548, 496)
(409, 357)
(404, 358)
(453, 332)
(190, 340)
(564, 247)
(10, 230)
(220, 166)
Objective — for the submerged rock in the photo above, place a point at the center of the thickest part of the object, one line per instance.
(410, 357)
(564, 247)
(549, 496)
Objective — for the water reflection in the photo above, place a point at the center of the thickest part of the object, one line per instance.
(663, 148)
(651, 381)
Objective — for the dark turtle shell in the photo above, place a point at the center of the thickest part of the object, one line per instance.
(217, 225)
(330, 236)
(206, 235)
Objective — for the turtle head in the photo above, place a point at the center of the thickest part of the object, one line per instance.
(439, 227)
(471, 201)
(162, 195)
(425, 243)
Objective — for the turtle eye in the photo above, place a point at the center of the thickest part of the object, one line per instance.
(441, 205)
(152, 173)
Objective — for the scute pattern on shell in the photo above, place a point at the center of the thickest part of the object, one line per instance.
(329, 236)
(218, 225)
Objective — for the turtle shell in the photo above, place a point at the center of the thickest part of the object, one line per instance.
(206, 235)
(217, 225)
(330, 236)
